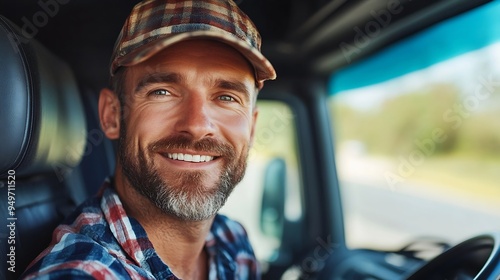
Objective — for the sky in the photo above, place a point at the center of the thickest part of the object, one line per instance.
(457, 49)
(465, 71)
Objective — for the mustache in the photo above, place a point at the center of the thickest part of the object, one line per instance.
(210, 145)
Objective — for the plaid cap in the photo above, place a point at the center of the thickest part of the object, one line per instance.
(154, 25)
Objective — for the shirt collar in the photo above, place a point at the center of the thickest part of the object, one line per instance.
(131, 235)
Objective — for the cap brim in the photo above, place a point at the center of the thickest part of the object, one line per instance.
(263, 68)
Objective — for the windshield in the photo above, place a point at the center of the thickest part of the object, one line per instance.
(417, 135)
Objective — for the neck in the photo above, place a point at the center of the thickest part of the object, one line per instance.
(177, 242)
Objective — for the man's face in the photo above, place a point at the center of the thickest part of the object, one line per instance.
(187, 128)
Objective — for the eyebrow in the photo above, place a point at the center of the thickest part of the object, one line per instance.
(156, 78)
(233, 86)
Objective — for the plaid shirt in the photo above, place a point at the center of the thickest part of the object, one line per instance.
(100, 241)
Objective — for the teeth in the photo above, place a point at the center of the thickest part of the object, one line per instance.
(189, 158)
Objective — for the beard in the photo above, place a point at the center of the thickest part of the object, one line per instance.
(186, 195)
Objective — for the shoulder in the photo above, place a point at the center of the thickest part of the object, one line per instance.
(77, 269)
(77, 256)
(82, 248)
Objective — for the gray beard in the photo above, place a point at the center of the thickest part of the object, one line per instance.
(186, 197)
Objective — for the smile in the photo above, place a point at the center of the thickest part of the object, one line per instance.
(189, 157)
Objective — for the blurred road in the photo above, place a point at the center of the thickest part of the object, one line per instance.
(379, 216)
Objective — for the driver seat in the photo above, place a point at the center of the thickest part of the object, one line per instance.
(42, 122)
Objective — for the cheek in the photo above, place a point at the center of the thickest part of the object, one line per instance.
(236, 129)
(146, 125)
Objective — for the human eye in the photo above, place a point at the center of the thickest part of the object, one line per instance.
(226, 98)
(158, 93)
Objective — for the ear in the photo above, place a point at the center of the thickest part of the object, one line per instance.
(254, 122)
(109, 113)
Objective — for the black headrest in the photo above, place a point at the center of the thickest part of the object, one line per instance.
(42, 122)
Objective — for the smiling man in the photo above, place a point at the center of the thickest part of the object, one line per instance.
(185, 77)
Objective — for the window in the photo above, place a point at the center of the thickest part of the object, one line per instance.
(417, 135)
(269, 195)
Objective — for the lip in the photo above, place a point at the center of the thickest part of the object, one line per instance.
(188, 157)
(190, 160)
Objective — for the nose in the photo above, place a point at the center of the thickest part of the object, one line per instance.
(194, 117)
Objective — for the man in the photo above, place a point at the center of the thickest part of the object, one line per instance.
(185, 76)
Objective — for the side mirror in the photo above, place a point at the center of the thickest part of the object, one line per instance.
(274, 224)
(272, 215)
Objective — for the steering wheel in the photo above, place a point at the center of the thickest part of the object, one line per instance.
(477, 258)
